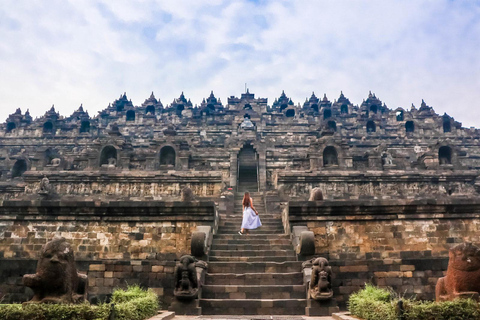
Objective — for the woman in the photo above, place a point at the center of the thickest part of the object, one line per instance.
(251, 220)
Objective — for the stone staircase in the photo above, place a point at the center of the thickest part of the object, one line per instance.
(255, 274)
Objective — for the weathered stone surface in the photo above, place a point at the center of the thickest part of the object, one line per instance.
(56, 280)
(186, 282)
(463, 274)
(320, 286)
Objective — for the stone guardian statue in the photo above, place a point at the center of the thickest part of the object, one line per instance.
(56, 280)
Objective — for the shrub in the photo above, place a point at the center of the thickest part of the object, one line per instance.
(373, 303)
(134, 303)
(460, 309)
(131, 304)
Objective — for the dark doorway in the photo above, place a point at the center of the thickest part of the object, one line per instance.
(330, 157)
(11, 126)
(446, 126)
(85, 126)
(247, 169)
(108, 156)
(167, 156)
(445, 155)
(19, 168)
(409, 126)
(130, 115)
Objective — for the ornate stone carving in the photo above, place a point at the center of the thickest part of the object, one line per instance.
(186, 282)
(463, 274)
(320, 287)
(45, 188)
(187, 195)
(56, 280)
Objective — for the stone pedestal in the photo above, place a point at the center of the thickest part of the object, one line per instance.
(186, 308)
(321, 308)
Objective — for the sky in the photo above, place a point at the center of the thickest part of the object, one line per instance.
(67, 53)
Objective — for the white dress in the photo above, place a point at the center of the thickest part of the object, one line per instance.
(250, 219)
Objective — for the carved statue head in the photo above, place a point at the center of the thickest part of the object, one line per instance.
(464, 257)
(56, 255)
(316, 195)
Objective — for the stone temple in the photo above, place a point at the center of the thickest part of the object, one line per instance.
(400, 188)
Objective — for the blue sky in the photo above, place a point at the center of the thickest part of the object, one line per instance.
(72, 52)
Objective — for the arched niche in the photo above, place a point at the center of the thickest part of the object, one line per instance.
(11, 126)
(374, 108)
(344, 109)
(48, 127)
(327, 113)
(447, 127)
(19, 168)
(120, 106)
(179, 109)
(130, 115)
(409, 126)
(85, 126)
(211, 107)
(332, 125)
(330, 156)
(314, 107)
(49, 155)
(108, 156)
(247, 106)
(167, 156)
(290, 113)
(445, 155)
(150, 110)
(371, 127)
(399, 115)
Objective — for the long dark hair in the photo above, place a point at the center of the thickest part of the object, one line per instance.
(246, 199)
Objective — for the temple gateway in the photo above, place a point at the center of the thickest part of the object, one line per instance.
(400, 188)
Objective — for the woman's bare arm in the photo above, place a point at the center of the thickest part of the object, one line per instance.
(251, 206)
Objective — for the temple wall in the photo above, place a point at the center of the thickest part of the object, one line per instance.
(399, 244)
(116, 243)
(144, 185)
(377, 184)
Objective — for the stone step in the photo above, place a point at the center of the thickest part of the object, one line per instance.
(253, 292)
(261, 279)
(235, 227)
(239, 216)
(253, 306)
(254, 267)
(253, 253)
(251, 242)
(253, 236)
(258, 231)
(239, 247)
(252, 259)
(265, 221)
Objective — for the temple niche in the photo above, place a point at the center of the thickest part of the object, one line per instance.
(108, 157)
(330, 157)
(445, 155)
(167, 156)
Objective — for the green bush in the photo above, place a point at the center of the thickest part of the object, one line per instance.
(134, 303)
(131, 304)
(374, 303)
(460, 309)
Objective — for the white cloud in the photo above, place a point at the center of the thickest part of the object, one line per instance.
(89, 52)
